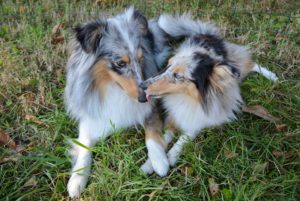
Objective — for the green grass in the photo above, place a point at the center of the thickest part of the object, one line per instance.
(32, 83)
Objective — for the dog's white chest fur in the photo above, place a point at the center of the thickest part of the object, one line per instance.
(118, 110)
(189, 115)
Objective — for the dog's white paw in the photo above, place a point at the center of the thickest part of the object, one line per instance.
(158, 158)
(172, 156)
(161, 167)
(147, 167)
(76, 185)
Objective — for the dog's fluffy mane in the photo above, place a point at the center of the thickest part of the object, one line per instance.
(217, 64)
(106, 39)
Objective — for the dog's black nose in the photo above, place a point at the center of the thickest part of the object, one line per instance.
(143, 85)
(142, 97)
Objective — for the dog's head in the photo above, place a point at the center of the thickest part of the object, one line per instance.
(198, 69)
(120, 46)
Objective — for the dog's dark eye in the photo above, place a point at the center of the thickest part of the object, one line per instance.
(177, 76)
(121, 64)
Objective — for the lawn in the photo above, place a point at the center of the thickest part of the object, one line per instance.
(249, 159)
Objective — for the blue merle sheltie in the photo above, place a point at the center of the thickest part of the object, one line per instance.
(199, 87)
(109, 58)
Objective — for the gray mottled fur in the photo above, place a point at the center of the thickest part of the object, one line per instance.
(121, 35)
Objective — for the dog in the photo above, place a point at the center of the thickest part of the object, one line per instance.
(109, 58)
(199, 87)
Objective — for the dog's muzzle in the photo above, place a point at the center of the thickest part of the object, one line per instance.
(142, 95)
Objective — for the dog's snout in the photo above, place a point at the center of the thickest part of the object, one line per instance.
(142, 97)
(143, 85)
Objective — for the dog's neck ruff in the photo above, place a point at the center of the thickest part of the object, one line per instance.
(117, 110)
(190, 116)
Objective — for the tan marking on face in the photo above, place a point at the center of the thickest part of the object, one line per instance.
(127, 84)
(153, 127)
(170, 61)
(193, 92)
(125, 58)
(163, 87)
(220, 79)
(101, 75)
(179, 69)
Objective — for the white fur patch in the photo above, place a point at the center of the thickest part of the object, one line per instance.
(76, 185)
(147, 167)
(265, 72)
(175, 151)
(190, 116)
(158, 157)
(91, 129)
(168, 137)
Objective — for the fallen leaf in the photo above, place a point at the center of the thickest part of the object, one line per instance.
(12, 158)
(32, 118)
(213, 187)
(279, 37)
(277, 153)
(32, 182)
(287, 154)
(6, 140)
(261, 112)
(57, 28)
(281, 127)
(260, 167)
(56, 36)
(57, 39)
(186, 170)
(230, 154)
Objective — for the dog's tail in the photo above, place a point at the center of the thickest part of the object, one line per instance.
(264, 72)
(184, 26)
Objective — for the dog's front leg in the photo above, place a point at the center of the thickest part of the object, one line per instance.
(170, 129)
(155, 145)
(89, 134)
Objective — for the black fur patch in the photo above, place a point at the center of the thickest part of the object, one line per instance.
(90, 34)
(116, 69)
(202, 72)
(142, 21)
(210, 41)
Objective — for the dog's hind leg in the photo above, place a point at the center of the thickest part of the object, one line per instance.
(156, 145)
(89, 134)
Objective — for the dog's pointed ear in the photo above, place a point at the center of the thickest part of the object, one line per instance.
(141, 20)
(90, 34)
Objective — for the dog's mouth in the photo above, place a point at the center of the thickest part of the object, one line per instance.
(145, 97)
(149, 97)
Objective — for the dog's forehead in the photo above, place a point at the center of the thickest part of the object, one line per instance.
(124, 32)
(182, 59)
(122, 45)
